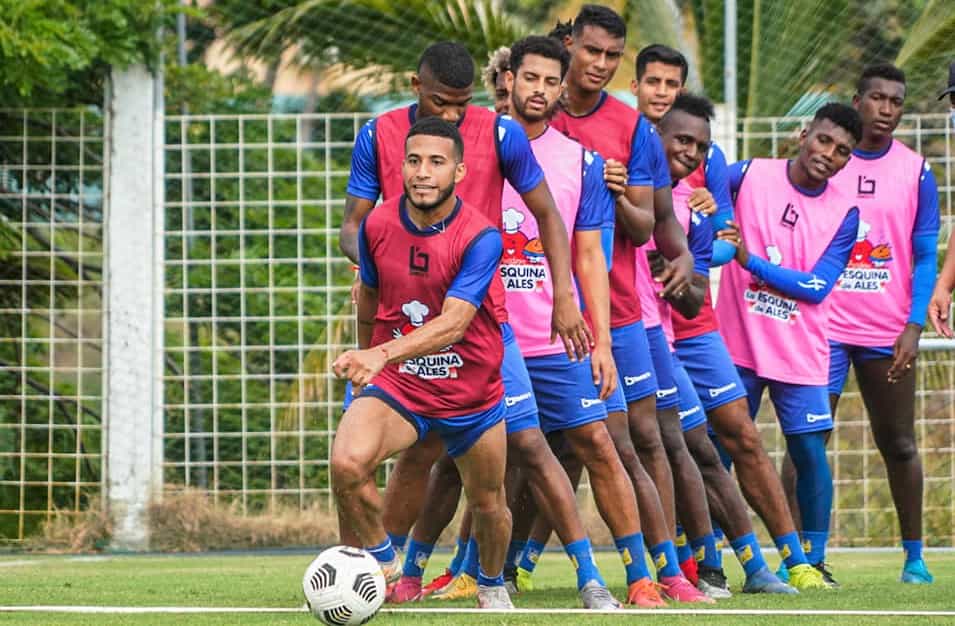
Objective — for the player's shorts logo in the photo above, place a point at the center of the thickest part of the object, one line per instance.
(718, 391)
(663, 393)
(589, 402)
(633, 380)
(817, 417)
(689, 412)
(510, 401)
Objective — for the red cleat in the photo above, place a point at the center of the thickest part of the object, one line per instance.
(437, 584)
(690, 570)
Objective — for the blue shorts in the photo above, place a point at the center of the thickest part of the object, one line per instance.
(458, 433)
(631, 354)
(799, 408)
(691, 411)
(667, 394)
(565, 390)
(708, 363)
(840, 355)
(519, 397)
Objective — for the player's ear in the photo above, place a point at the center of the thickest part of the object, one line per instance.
(416, 84)
(460, 171)
(633, 86)
(856, 99)
(509, 81)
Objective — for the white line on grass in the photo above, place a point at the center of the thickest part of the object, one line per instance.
(466, 611)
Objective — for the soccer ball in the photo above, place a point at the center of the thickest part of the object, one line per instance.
(344, 586)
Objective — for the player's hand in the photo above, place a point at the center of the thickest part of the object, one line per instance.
(676, 277)
(355, 286)
(731, 234)
(360, 366)
(904, 351)
(702, 201)
(604, 369)
(567, 322)
(938, 308)
(657, 261)
(615, 175)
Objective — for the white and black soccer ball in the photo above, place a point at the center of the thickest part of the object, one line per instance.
(344, 586)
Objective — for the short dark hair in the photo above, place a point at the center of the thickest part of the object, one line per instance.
(547, 47)
(879, 70)
(562, 30)
(437, 127)
(601, 16)
(658, 53)
(692, 104)
(450, 63)
(841, 115)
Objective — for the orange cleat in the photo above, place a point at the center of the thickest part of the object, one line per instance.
(645, 593)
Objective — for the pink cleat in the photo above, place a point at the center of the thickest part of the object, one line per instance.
(407, 589)
(678, 588)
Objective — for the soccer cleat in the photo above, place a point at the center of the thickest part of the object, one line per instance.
(495, 597)
(764, 581)
(806, 577)
(462, 587)
(407, 589)
(510, 579)
(439, 583)
(823, 569)
(524, 580)
(915, 573)
(597, 597)
(691, 570)
(782, 572)
(392, 573)
(678, 588)
(712, 582)
(645, 593)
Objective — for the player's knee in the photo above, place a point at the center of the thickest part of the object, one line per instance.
(900, 450)
(348, 470)
(743, 443)
(487, 502)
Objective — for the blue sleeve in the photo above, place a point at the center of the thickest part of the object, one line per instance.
(597, 205)
(815, 285)
(366, 263)
(363, 179)
(480, 262)
(700, 241)
(640, 169)
(924, 242)
(735, 174)
(661, 168)
(606, 242)
(518, 163)
(718, 182)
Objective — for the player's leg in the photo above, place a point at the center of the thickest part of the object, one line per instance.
(891, 409)
(407, 487)
(482, 474)
(371, 430)
(805, 418)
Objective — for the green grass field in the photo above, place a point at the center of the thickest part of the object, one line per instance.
(274, 581)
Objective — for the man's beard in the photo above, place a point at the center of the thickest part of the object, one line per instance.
(521, 108)
(443, 194)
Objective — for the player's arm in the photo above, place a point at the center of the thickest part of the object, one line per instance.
(367, 296)
(942, 295)
(632, 186)
(590, 265)
(700, 240)
(718, 183)
(362, 192)
(464, 297)
(812, 286)
(522, 170)
(924, 240)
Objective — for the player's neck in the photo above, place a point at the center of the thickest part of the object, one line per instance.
(875, 144)
(578, 102)
(801, 179)
(434, 218)
(533, 130)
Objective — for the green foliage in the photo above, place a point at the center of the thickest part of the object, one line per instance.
(60, 51)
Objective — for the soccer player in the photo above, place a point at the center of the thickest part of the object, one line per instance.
(880, 302)
(602, 123)
(773, 311)
(685, 133)
(431, 352)
(496, 150)
(493, 76)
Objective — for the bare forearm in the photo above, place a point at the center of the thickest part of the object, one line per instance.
(366, 311)
(669, 237)
(591, 269)
(635, 214)
(557, 251)
(348, 241)
(444, 330)
(692, 301)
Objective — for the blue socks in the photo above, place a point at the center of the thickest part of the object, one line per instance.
(705, 551)
(683, 551)
(384, 552)
(532, 552)
(633, 557)
(416, 559)
(913, 549)
(398, 541)
(748, 553)
(664, 559)
(514, 551)
(582, 556)
(471, 559)
(813, 490)
(790, 550)
(490, 581)
(460, 551)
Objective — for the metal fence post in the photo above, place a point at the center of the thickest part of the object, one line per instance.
(134, 287)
